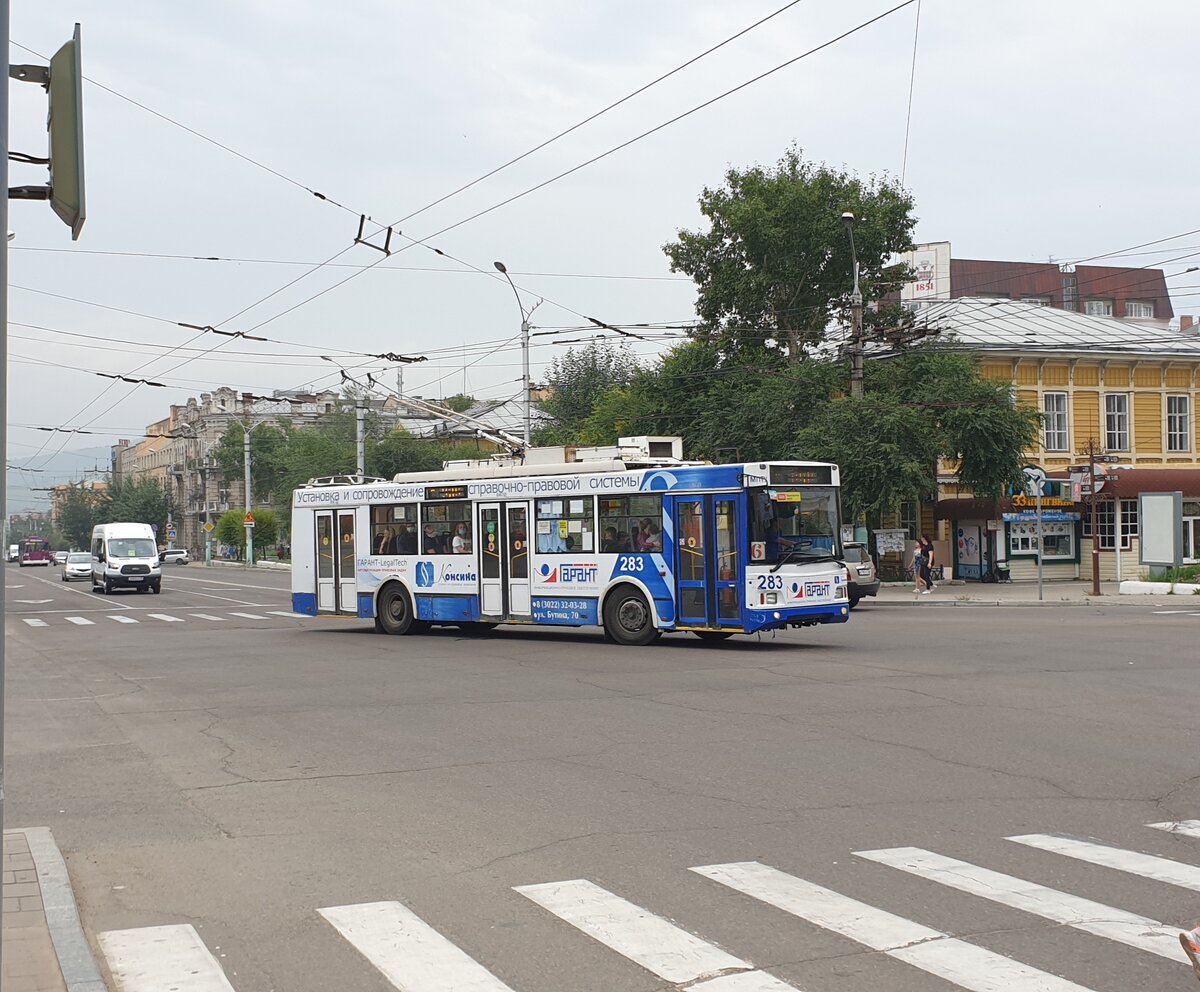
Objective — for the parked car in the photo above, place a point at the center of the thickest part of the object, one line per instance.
(60, 557)
(176, 556)
(77, 566)
(864, 580)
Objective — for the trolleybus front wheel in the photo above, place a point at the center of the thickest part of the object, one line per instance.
(394, 612)
(628, 618)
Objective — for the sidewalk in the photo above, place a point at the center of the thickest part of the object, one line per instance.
(958, 593)
(45, 949)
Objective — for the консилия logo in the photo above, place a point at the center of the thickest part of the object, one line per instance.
(424, 574)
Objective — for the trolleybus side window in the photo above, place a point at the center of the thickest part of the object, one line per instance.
(566, 526)
(394, 529)
(630, 523)
(447, 529)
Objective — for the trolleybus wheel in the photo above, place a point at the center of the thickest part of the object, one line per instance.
(628, 618)
(713, 635)
(394, 612)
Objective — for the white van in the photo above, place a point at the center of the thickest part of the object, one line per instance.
(14, 552)
(125, 556)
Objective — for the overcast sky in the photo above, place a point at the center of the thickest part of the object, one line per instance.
(1039, 130)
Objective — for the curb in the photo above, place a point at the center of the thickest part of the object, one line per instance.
(944, 603)
(74, 954)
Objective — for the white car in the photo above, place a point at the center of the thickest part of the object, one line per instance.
(77, 566)
(176, 556)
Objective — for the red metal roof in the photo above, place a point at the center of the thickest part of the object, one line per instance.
(1132, 481)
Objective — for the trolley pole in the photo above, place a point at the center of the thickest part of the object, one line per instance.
(249, 494)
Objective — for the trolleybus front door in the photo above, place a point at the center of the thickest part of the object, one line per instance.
(707, 563)
(504, 561)
(337, 587)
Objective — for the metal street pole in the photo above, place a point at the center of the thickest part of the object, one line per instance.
(856, 331)
(1038, 510)
(1095, 522)
(525, 386)
(360, 443)
(4, 11)
(249, 494)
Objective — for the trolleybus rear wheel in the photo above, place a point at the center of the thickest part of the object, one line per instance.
(628, 618)
(394, 612)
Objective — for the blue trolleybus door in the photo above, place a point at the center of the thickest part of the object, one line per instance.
(504, 561)
(707, 565)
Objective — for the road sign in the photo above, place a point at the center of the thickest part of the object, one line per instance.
(209, 528)
(172, 533)
(248, 519)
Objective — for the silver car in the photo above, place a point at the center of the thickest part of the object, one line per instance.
(77, 566)
(176, 556)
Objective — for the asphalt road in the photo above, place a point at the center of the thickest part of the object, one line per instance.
(236, 775)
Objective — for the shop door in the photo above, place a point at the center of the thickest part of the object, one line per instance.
(504, 561)
(707, 589)
(337, 585)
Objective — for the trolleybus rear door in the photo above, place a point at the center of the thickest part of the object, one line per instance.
(517, 543)
(707, 565)
(337, 588)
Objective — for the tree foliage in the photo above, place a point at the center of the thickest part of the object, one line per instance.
(77, 514)
(231, 529)
(774, 267)
(140, 501)
(576, 381)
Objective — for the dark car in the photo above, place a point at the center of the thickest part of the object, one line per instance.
(864, 580)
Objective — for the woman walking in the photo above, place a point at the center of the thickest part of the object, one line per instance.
(918, 562)
(927, 557)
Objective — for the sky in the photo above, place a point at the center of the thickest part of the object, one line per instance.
(1037, 131)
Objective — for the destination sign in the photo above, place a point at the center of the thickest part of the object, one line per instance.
(445, 492)
(801, 475)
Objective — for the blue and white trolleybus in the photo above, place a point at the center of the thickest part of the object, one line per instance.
(629, 538)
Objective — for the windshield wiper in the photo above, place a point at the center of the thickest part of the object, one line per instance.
(806, 555)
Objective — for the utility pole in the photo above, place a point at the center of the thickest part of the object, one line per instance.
(1093, 453)
(4, 22)
(525, 385)
(856, 329)
(360, 437)
(249, 494)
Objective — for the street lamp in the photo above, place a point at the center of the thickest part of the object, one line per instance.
(856, 341)
(524, 353)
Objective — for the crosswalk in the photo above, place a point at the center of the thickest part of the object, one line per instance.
(412, 955)
(157, 618)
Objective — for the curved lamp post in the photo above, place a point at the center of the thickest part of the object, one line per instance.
(524, 353)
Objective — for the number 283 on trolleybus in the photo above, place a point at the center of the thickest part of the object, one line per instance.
(639, 545)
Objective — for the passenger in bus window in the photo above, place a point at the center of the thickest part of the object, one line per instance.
(431, 544)
(460, 544)
(648, 538)
(385, 542)
(608, 543)
(406, 541)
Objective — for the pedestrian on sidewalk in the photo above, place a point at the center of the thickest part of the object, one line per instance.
(927, 563)
(918, 563)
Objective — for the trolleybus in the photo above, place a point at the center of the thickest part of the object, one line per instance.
(35, 550)
(639, 545)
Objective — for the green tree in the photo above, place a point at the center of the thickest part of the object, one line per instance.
(231, 529)
(77, 514)
(576, 382)
(136, 501)
(268, 456)
(459, 402)
(774, 267)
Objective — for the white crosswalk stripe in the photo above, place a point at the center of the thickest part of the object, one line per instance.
(411, 954)
(81, 621)
(207, 616)
(122, 618)
(286, 613)
(34, 622)
(154, 959)
(937, 953)
(1146, 865)
(1184, 828)
(1061, 907)
(659, 946)
(248, 616)
(166, 617)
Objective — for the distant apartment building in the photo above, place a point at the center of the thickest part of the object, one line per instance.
(1093, 290)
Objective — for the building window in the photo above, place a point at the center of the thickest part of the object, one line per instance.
(1129, 520)
(1098, 308)
(1037, 301)
(1054, 421)
(1179, 424)
(910, 518)
(1139, 308)
(569, 525)
(1116, 421)
(1058, 539)
(1106, 523)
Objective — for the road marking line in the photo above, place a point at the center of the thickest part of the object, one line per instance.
(743, 981)
(150, 959)
(248, 616)
(1061, 907)
(1184, 828)
(80, 621)
(122, 619)
(207, 616)
(1171, 613)
(165, 617)
(286, 613)
(408, 951)
(651, 941)
(35, 623)
(922, 947)
(1146, 865)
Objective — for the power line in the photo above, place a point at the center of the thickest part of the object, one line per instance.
(912, 78)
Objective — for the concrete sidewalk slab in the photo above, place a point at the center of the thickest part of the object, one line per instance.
(45, 949)
(1022, 594)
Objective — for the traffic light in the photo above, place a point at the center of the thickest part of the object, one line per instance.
(66, 136)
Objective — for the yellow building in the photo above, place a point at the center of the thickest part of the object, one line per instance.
(1124, 390)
